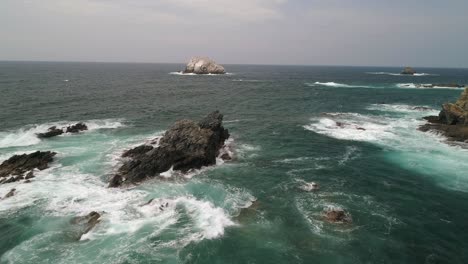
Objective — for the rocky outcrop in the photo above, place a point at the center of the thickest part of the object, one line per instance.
(337, 215)
(76, 128)
(203, 65)
(186, 145)
(408, 71)
(452, 120)
(84, 224)
(51, 132)
(54, 131)
(15, 168)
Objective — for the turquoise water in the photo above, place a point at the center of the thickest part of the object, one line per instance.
(407, 191)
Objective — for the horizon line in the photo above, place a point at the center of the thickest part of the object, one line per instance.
(251, 64)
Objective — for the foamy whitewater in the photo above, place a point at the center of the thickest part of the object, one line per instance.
(305, 140)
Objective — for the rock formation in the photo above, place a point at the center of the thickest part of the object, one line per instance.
(15, 168)
(408, 71)
(452, 120)
(186, 145)
(54, 131)
(203, 65)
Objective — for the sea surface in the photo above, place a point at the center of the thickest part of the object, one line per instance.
(352, 130)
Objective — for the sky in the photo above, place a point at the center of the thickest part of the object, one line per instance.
(300, 32)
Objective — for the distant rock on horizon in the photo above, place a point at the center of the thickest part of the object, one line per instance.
(203, 65)
(408, 71)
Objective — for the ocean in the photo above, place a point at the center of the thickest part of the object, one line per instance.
(352, 130)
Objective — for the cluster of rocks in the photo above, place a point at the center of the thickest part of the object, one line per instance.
(452, 120)
(54, 131)
(20, 167)
(203, 65)
(186, 145)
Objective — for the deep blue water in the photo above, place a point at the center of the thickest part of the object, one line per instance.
(406, 190)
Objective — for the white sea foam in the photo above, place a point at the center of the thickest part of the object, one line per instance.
(337, 85)
(424, 86)
(408, 147)
(27, 136)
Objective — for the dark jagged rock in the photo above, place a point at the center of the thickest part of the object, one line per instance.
(15, 167)
(11, 193)
(337, 215)
(137, 152)
(408, 71)
(84, 224)
(51, 132)
(54, 131)
(76, 128)
(186, 145)
(452, 120)
(29, 175)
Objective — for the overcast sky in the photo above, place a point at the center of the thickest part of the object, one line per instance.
(312, 32)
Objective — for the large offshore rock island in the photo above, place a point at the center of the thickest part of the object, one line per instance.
(203, 65)
(452, 120)
(186, 145)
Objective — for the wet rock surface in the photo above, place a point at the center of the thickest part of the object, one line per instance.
(186, 145)
(452, 120)
(15, 168)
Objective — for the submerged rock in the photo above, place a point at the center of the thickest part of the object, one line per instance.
(186, 145)
(84, 224)
(452, 120)
(408, 71)
(203, 65)
(51, 132)
(337, 215)
(15, 167)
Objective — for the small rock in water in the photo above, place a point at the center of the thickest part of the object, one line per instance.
(337, 215)
(11, 193)
(76, 128)
(51, 132)
(84, 224)
(310, 186)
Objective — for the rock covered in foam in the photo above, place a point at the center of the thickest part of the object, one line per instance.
(84, 224)
(186, 145)
(452, 120)
(15, 167)
(203, 65)
(337, 215)
(408, 71)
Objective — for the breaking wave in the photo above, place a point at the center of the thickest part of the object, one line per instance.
(395, 128)
(424, 86)
(338, 85)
